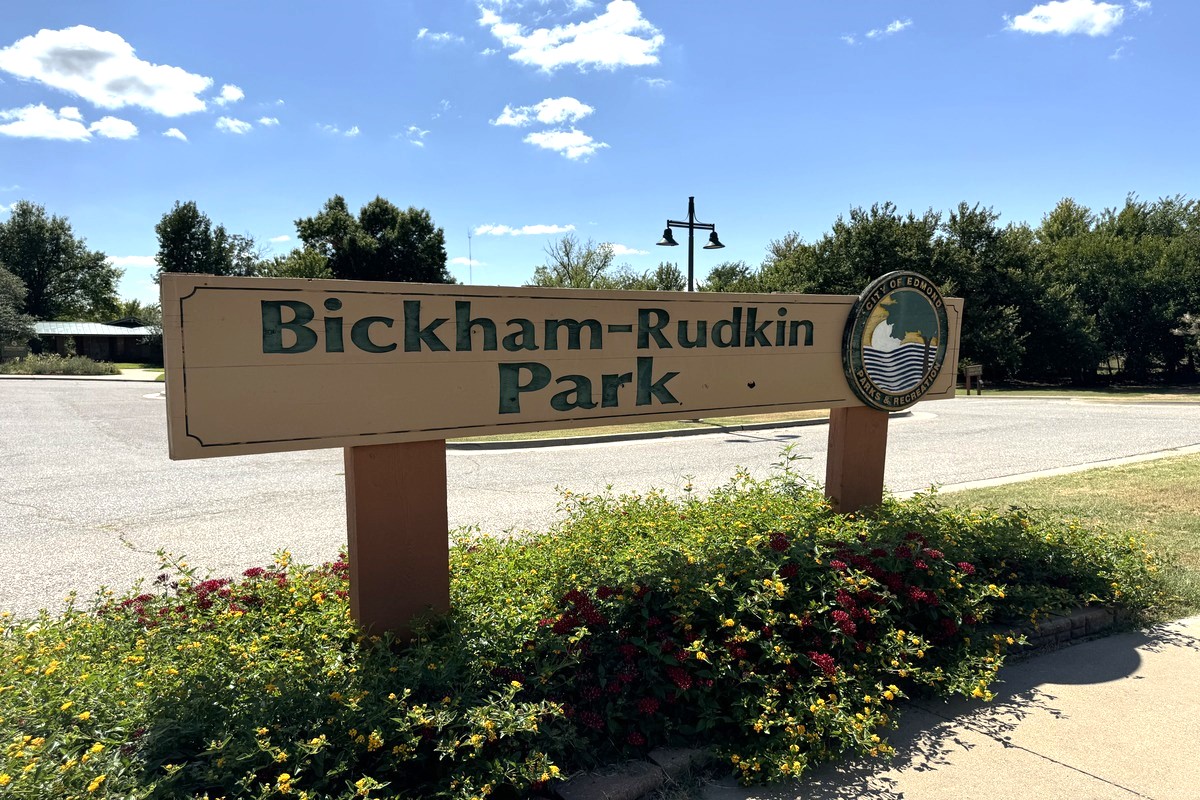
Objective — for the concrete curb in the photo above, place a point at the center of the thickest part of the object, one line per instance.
(107, 378)
(641, 435)
(637, 779)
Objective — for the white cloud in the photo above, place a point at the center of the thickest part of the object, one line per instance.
(1065, 17)
(114, 128)
(280, 239)
(268, 122)
(488, 51)
(468, 262)
(137, 262)
(894, 27)
(573, 144)
(656, 83)
(40, 122)
(438, 38)
(849, 39)
(336, 131)
(524, 230)
(175, 133)
(1141, 5)
(231, 125)
(551, 111)
(619, 37)
(416, 136)
(622, 250)
(229, 94)
(101, 67)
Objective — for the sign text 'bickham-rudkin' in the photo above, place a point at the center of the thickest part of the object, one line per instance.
(291, 327)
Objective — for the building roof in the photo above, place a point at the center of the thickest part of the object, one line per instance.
(88, 329)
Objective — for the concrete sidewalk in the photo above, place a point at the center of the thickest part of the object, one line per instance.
(1114, 718)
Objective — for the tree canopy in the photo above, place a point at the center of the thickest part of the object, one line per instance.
(573, 265)
(383, 243)
(63, 279)
(189, 242)
(15, 327)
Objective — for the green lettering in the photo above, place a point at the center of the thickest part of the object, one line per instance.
(463, 325)
(701, 339)
(582, 390)
(360, 334)
(273, 326)
(415, 335)
(648, 390)
(574, 327)
(731, 326)
(610, 386)
(647, 330)
(756, 334)
(523, 339)
(511, 387)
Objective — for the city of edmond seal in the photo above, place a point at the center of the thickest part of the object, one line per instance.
(895, 340)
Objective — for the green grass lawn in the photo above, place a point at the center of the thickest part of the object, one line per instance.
(1108, 393)
(135, 365)
(1158, 497)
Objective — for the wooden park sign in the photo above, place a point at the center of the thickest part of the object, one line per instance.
(389, 371)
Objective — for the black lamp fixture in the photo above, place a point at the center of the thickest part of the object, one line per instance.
(668, 240)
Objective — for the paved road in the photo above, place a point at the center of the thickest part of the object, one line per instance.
(87, 494)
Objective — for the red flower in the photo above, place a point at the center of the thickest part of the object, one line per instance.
(648, 705)
(254, 572)
(903, 552)
(843, 621)
(779, 542)
(636, 739)
(967, 567)
(605, 592)
(680, 678)
(591, 719)
(788, 571)
(837, 565)
(933, 554)
(825, 662)
(919, 564)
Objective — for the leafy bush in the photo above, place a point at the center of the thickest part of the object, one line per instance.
(754, 620)
(54, 364)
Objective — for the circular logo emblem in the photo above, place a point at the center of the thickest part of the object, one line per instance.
(895, 340)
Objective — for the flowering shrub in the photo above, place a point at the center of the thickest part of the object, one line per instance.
(755, 621)
(54, 364)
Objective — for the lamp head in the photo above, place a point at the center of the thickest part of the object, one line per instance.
(713, 242)
(668, 239)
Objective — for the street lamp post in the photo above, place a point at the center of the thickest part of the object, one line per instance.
(713, 242)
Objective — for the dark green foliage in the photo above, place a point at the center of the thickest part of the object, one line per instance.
(63, 279)
(383, 243)
(1051, 303)
(15, 328)
(188, 242)
(572, 265)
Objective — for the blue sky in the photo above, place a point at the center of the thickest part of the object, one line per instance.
(519, 120)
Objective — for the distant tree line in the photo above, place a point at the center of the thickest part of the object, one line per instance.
(1081, 293)
(381, 243)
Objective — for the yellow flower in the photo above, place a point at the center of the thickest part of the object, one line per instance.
(96, 748)
(5, 779)
(66, 705)
(85, 716)
(374, 741)
(95, 784)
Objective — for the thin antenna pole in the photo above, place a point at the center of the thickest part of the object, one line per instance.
(470, 261)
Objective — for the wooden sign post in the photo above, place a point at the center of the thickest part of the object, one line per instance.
(389, 371)
(396, 532)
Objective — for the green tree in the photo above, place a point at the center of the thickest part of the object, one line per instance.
(301, 262)
(732, 276)
(666, 277)
(383, 243)
(189, 242)
(858, 249)
(572, 265)
(62, 277)
(15, 328)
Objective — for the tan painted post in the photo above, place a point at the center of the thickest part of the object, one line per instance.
(397, 530)
(855, 457)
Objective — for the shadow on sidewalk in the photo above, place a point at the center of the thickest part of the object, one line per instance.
(931, 732)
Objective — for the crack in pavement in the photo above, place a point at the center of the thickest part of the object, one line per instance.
(967, 723)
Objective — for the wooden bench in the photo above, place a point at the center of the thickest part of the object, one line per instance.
(973, 371)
